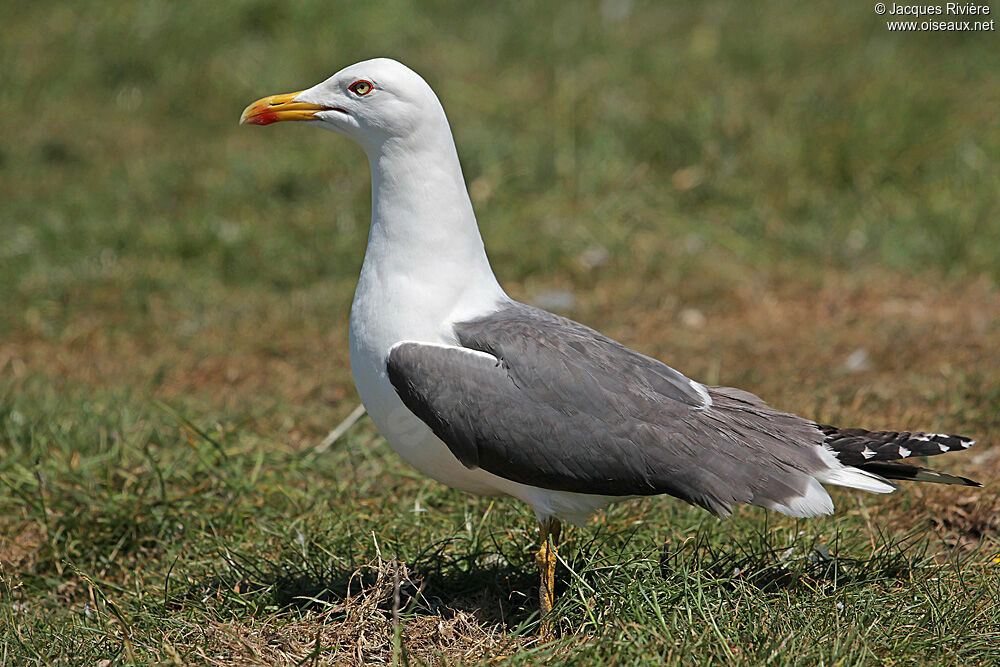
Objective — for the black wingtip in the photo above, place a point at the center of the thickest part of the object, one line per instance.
(962, 481)
(912, 473)
(858, 446)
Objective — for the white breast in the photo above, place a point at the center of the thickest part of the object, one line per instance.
(384, 313)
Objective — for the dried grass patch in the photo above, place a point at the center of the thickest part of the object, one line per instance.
(376, 623)
(20, 544)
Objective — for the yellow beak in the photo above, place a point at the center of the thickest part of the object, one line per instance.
(278, 108)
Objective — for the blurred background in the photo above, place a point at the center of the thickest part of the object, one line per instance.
(783, 196)
(664, 153)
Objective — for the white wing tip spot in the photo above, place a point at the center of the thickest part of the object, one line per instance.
(903, 452)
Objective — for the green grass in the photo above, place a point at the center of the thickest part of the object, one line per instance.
(150, 532)
(174, 293)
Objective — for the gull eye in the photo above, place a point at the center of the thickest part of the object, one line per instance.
(361, 87)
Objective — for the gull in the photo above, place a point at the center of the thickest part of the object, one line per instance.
(495, 397)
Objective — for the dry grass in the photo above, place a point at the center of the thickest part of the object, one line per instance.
(363, 628)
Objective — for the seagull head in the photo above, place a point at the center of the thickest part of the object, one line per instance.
(371, 102)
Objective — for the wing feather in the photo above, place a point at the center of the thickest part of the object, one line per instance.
(556, 405)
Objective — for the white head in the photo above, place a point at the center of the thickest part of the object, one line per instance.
(423, 225)
(372, 102)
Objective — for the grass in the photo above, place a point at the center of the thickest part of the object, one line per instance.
(755, 194)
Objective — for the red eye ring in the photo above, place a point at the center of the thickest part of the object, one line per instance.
(361, 87)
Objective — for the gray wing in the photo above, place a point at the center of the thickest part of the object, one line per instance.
(557, 405)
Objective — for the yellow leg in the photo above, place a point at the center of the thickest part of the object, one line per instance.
(546, 559)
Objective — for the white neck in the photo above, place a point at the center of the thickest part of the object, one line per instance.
(425, 265)
(422, 219)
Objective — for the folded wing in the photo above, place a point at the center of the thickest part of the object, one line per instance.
(542, 400)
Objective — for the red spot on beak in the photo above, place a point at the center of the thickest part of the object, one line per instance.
(265, 118)
(277, 108)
